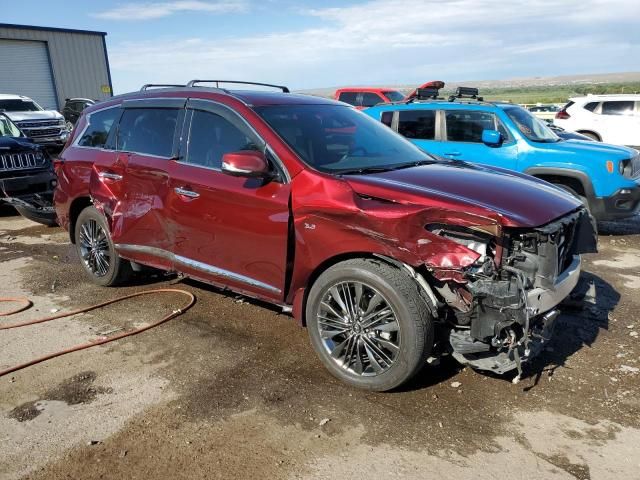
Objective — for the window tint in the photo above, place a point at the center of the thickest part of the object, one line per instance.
(591, 106)
(467, 125)
(149, 131)
(617, 108)
(394, 96)
(370, 99)
(100, 123)
(211, 136)
(386, 118)
(348, 97)
(417, 124)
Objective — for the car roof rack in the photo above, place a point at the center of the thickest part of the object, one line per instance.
(429, 93)
(147, 86)
(193, 83)
(466, 92)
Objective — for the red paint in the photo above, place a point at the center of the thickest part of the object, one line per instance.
(380, 92)
(282, 233)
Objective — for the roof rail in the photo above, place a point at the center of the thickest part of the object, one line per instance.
(193, 83)
(147, 86)
(466, 92)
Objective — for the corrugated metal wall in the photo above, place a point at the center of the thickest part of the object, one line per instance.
(78, 60)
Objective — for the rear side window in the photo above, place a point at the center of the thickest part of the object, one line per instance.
(370, 99)
(591, 106)
(467, 125)
(418, 124)
(618, 108)
(211, 136)
(149, 131)
(387, 118)
(348, 97)
(97, 132)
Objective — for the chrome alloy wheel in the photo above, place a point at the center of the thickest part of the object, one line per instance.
(359, 328)
(94, 248)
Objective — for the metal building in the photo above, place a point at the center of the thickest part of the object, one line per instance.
(51, 64)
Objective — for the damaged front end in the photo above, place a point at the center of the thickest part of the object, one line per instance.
(500, 310)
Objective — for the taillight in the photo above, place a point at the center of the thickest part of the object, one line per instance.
(562, 115)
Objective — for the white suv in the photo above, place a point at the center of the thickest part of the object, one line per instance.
(46, 127)
(607, 118)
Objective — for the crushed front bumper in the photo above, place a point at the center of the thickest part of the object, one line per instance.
(541, 303)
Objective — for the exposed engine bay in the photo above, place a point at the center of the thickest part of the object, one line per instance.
(506, 309)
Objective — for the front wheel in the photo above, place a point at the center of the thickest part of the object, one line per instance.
(97, 253)
(369, 324)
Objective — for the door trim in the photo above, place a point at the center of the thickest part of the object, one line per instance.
(196, 265)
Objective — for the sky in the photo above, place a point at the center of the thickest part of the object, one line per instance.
(306, 44)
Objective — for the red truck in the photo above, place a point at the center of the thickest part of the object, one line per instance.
(363, 97)
(386, 254)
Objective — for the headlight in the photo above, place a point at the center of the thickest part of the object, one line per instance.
(479, 242)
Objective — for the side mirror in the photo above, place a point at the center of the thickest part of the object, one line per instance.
(246, 163)
(491, 138)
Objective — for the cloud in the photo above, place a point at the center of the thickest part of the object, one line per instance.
(150, 11)
(403, 42)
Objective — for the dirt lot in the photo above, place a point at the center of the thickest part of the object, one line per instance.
(232, 389)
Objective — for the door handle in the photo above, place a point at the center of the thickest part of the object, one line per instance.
(186, 193)
(110, 176)
(453, 154)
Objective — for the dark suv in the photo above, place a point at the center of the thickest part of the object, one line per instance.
(380, 249)
(26, 174)
(73, 108)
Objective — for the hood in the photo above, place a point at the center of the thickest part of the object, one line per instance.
(41, 115)
(16, 144)
(581, 148)
(519, 200)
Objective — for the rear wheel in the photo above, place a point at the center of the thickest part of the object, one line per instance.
(369, 324)
(96, 250)
(591, 135)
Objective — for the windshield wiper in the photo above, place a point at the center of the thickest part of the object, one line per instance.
(385, 168)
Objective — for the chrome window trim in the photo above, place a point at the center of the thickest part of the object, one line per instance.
(87, 124)
(193, 106)
(196, 265)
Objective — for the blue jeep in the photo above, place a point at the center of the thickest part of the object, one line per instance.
(464, 127)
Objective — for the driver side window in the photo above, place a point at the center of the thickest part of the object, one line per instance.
(210, 137)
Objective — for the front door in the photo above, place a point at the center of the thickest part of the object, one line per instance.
(228, 230)
(462, 139)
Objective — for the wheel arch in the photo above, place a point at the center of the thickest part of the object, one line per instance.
(77, 206)
(586, 131)
(575, 179)
(300, 296)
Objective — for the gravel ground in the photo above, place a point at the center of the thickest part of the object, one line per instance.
(232, 389)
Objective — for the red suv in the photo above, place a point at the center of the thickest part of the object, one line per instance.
(387, 254)
(364, 97)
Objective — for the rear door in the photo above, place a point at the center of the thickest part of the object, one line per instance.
(146, 140)
(228, 230)
(620, 123)
(421, 127)
(462, 138)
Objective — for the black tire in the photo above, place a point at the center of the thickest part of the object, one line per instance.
(570, 190)
(118, 270)
(414, 325)
(591, 135)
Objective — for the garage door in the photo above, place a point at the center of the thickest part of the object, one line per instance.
(25, 70)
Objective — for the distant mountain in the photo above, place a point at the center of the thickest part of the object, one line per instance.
(562, 80)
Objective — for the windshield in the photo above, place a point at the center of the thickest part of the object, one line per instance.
(17, 105)
(530, 126)
(339, 139)
(8, 128)
(394, 96)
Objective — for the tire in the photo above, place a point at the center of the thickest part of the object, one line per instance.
(404, 337)
(570, 190)
(591, 135)
(101, 262)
